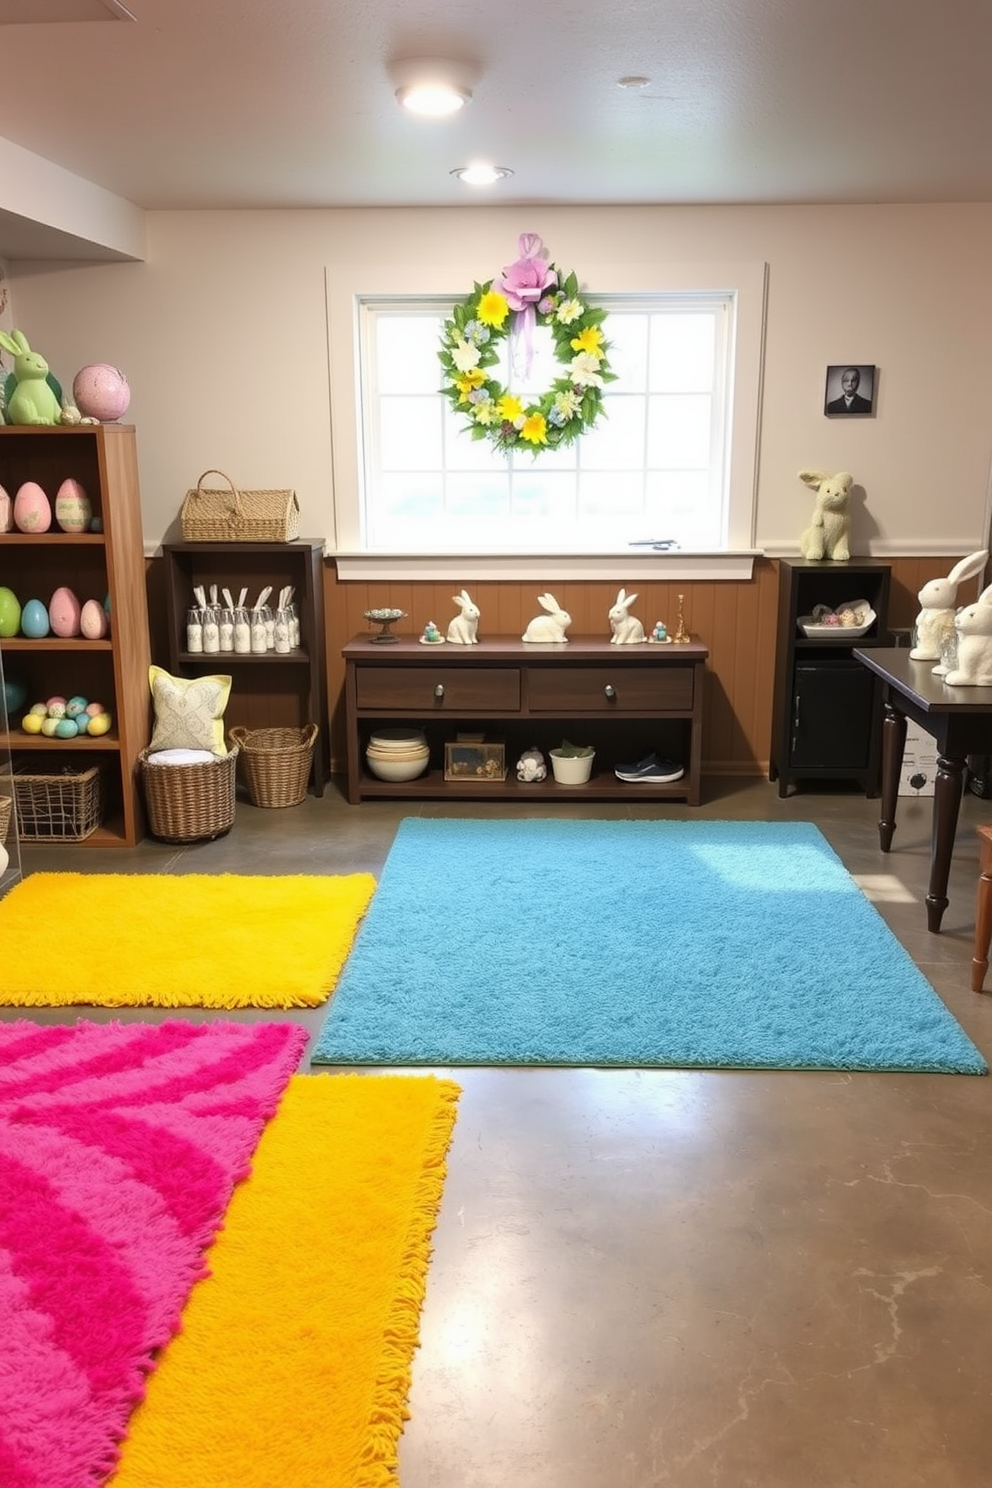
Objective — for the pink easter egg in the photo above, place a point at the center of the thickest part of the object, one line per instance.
(32, 509)
(93, 621)
(101, 392)
(6, 512)
(73, 508)
(64, 613)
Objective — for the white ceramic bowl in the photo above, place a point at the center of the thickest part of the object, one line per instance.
(397, 738)
(397, 770)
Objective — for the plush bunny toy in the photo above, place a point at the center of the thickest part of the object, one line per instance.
(974, 627)
(829, 532)
(549, 627)
(938, 598)
(33, 400)
(462, 629)
(627, 629)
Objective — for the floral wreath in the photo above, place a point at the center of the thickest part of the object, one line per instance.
(536, 293)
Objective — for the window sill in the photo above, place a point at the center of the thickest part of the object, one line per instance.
(625, 566)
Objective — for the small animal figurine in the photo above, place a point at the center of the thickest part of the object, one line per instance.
(462, 628)
(33, 400)
(829, 532)
(974, 631)
(531, 766)
(938, 598)
(550, 627)
(627, 629)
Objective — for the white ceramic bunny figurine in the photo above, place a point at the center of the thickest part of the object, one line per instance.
(627, 629)
(549, 627)
(464, 627)
(938, 598)
(974, 630)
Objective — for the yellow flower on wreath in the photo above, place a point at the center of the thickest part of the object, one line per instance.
(468, 381)
(493, 308)
(589, 340)
(535, 429)
(510, 408)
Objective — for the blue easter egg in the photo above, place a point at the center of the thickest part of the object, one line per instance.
(34, 620)
(15, 695)
(66, 728)
(75, 706)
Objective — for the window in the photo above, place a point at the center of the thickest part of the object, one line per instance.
(672, 458)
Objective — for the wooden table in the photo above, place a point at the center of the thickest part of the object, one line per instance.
(960, 721)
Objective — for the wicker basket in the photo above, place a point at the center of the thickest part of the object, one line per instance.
(58, 806)
(275, 763)
(189, 803)
(5, 808)
(210, 514)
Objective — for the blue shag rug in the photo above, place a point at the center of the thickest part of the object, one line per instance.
(702, 945)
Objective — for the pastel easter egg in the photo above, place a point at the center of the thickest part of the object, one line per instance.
(32, 509)
(100, 724)
(64, 612)
(6, 512)
(66, 728)
(75, 706)
(10, 613)
(34, 620)
(40, 710)
(93, 620)
(48, 727)
(56, 707)
(31, 723)
(93, 709)
(73, 508)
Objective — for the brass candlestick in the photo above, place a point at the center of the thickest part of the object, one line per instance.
(681, 636)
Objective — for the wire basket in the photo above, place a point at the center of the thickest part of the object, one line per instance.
(275, 763)
(58, 806)
(189, 803)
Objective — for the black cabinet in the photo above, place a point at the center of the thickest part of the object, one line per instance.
(827, 706)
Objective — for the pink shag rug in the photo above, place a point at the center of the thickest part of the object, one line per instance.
(120, 1146)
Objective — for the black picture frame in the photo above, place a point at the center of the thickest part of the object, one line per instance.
(839, 382)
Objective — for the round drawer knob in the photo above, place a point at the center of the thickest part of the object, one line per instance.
(610, 691)
(439, 690)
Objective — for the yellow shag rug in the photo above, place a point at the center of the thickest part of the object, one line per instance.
(292, 1369)
(177, 940)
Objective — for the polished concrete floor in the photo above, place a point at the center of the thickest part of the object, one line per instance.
(729, 1279)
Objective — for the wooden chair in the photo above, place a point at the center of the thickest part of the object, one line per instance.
(983, 912)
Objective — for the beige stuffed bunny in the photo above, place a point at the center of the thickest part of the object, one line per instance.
(829, 532)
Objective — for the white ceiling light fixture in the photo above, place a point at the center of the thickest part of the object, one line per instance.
(481, 174)
(430, 87)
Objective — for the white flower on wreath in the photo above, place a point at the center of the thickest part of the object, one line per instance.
(568, 311)
(465, 356)
(567, 404)
(584, 370)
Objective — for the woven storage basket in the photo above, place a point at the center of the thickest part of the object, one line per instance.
(5, 808)
(189, 803)
(275, 763)
(60, 806)
(211, 514)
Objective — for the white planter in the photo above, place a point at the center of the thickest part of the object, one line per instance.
(571, 769)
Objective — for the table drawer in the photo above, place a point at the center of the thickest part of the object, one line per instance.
(619, 689)
(415, 689)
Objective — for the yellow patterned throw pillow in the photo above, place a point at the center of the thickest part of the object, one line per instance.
(189, 711)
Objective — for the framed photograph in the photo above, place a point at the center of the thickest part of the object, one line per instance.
(850, 390)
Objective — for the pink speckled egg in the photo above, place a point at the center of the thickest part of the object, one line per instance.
(64, 613)
(32, 509)
(6, 512)
(100, 391)
(73, 508)
(93, 620)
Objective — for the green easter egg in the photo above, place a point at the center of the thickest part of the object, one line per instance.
(10, 613)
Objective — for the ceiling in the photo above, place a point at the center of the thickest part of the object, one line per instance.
(290, 103)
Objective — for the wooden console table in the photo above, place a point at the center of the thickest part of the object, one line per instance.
(960, 720)
(627, 701)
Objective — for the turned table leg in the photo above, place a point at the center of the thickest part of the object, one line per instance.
(983, 913)
(893, 748)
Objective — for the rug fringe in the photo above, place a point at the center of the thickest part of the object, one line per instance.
(389, 1410)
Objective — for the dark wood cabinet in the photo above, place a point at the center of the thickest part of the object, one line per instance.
(269, 689)
(827, 706)
(627, 701)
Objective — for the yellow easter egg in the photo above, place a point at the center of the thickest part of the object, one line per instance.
(48, 727)
(99, 724)
(31, 723)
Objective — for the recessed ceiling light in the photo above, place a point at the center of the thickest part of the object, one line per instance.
(431, 86)
(481, 175)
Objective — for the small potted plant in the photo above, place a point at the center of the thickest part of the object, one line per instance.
(572, 763)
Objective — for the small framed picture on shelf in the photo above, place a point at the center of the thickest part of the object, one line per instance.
(850, 390)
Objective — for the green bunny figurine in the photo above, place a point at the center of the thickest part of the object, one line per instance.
(32, 399)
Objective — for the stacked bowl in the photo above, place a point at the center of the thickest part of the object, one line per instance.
(397, 754)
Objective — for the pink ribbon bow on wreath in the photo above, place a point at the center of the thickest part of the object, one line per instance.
(524, 284)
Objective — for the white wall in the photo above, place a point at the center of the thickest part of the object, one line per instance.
(223, 333)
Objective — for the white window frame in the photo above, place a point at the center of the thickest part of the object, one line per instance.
(745, 282)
